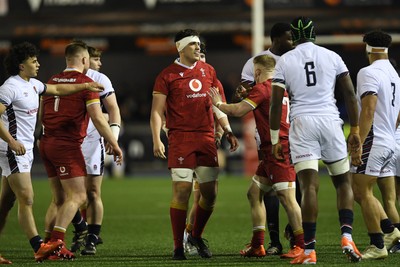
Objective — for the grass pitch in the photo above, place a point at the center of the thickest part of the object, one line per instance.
(137, 232)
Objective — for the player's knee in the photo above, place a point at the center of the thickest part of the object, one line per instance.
(339, 167)
(92, 195)
(80, 198)
(25, 197)
(182, 174)
(306, 165)
(264, 187)
(206, 174)
(207, 204)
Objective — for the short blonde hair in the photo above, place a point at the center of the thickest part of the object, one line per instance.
(265, 61)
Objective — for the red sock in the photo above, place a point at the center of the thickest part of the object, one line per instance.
(258, 239)
(299, 238)
(55, 235)
(178, 221)
(200, 221)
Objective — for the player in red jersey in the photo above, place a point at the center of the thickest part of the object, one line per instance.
(271, 173)
(181, 89)
(221, 122)
(19, 105)
(65, 120)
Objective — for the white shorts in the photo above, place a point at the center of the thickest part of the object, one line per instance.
(10, 163)
(94, 153)
(378, 161)
(317, 137)
(397, 155)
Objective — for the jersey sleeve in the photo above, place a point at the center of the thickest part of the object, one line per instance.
(255, 96)
(279, 74)
(161, 85)
(106, 82)
(341, 66)
(367, 83)
(221, 91)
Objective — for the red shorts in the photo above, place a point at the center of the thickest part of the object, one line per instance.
(62, 160)
(277, 171)
(190, 150)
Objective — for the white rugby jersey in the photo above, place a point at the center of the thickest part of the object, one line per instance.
(381, 79)
(248, 68)
(21, 99)
(397, 135)
(92, 133)
(309, 74)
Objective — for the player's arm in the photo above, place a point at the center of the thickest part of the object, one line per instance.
(156, 121)
(275, 114)
(219, 132)
(101, 124)
(368, 105)
(14, 145)
(345, 84)
(237, 109)
(114, 116)
(68, 89)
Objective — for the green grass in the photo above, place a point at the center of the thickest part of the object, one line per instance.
(137, 232)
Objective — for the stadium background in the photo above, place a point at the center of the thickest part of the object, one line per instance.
(137, 39)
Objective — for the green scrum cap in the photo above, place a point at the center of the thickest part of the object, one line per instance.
(302, 28)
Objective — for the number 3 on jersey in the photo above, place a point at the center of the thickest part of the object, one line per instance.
(310, 73)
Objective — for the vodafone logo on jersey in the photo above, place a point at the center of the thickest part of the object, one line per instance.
(195, 85)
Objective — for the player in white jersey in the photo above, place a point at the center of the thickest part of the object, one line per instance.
(93, 149)
(281, 42)
(309, 73)
(378, 98)
(19, 104)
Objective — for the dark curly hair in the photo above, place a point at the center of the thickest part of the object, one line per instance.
(185, 33)
(17, 55)
(377, 38)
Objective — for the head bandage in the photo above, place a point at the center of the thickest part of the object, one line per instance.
(376, 50)
(182, 43)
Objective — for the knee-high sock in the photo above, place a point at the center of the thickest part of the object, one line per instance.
(177, 212)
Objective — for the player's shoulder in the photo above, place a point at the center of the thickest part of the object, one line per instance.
(171, 68)
(97, 75)
(367, 71)
(262, 88)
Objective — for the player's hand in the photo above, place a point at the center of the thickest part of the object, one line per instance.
(164, 128)
(353, 142)
(233, 141)
(241, 92)
(117, 152)
(17, 147)
(356, 158)
(215, 95)
(277, 152)
(109, 148)
(218, 137)
(94, 87)
(159, 150)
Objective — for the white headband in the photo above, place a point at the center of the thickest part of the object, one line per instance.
(182, 43)
(376, 50)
